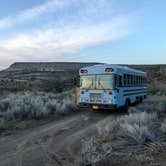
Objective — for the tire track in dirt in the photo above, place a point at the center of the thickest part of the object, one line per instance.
(69, 150)
(56, 137)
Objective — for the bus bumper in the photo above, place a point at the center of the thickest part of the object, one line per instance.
(97, 106)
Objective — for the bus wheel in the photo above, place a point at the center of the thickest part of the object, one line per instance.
(145, 96)
(141, 100)
(126, 106)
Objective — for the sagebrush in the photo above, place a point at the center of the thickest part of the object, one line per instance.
(28, 105)
(135, 127)
(138, 135)
(157, 88)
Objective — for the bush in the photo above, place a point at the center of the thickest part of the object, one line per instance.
(115, 136)
(134, 127)
(157, 89)
(135, 136)
(2, 123)
(93, 151)
(135, 133)
(163, 126)
(156, 106)
(28, 105)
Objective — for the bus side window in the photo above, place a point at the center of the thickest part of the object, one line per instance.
(133, 80)
(144, 80)
(141, 80)
(115, 80)
(137, 80)
(124, 78)
(120, 81)
(130, 79)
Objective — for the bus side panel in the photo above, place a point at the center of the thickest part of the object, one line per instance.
(120, 100)
(134, 93)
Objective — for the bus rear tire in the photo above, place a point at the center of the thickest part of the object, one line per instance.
(126, 106)
(140, 99)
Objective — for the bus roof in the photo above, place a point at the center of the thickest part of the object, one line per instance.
(102, 69)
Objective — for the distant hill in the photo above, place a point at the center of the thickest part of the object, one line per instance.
(48, 66)
(56, 76)
(45, 76)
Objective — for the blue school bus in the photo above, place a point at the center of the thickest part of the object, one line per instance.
(111, 86)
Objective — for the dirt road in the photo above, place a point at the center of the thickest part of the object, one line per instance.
(56, 143)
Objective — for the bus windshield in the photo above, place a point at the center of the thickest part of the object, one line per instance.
(97, 82)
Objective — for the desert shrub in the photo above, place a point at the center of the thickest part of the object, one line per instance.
(23, 105)
(138, 133)
(2, 123)
(134, 127)
(163, 126)
(153, 89)
(93, 151)
(135, 133)
(157, 89)
(63, 105)
(151, 106)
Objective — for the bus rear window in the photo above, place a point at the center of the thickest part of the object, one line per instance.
(98, 82)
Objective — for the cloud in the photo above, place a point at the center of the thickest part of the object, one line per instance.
(35, 12)
(54, 43)
(90, 23)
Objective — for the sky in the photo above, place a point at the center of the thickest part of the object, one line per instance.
(107, 31)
